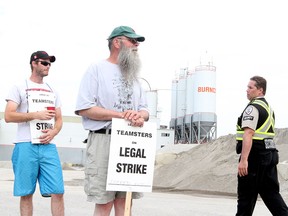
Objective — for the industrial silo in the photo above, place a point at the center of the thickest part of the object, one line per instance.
(204, 117)
(173, 104)
(152, 102)
(189, 106)
(181, 105)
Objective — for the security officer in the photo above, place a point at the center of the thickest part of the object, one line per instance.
(257, 168)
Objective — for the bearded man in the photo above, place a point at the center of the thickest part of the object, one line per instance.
(110, 89)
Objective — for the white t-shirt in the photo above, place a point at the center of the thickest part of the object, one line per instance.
(18, 94)
(103, 85)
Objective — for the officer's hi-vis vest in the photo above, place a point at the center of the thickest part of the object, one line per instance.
(261, 132)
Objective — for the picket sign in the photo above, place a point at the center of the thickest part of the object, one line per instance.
(131, 158)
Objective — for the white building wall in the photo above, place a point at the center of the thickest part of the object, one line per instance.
(165, 137)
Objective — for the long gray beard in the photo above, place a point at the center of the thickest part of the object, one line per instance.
(129, 63)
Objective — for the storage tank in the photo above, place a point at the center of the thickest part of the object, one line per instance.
(173, 103)
(152, 102)
(204, 117)
(204, 90)
(189, 106)
(181, 96)
(193, 105)
(189, 96)
(181, 105)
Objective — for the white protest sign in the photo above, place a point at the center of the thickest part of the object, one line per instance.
(132, 157)
(40, 100)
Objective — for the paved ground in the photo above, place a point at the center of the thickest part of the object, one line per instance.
(153, 204)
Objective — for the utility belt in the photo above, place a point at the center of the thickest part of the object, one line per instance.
(266, 144)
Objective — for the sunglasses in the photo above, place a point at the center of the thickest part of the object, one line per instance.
(45, 63)
(132, 40)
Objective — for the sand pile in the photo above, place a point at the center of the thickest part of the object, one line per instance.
(210, 167)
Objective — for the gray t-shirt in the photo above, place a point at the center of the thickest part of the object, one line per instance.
(103, 85)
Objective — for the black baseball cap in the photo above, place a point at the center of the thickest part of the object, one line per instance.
(41, 55)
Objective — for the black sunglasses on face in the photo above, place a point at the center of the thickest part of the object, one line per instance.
(45, 63)
(132, 40)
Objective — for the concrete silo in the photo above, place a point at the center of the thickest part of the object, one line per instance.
(204, 119)
(189, 106)
(181, 106)
(173, 104)
(152, 102)
(193, 110)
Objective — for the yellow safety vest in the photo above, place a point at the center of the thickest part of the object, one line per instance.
(261, 132)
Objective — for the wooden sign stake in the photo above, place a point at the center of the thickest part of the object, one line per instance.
(128, 204)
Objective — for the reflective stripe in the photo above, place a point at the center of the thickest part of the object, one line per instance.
(262, 132)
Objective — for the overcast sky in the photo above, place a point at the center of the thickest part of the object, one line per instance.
(243, 38)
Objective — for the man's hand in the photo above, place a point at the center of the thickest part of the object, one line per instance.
(45, 114)
(134, 117)
(243, 168)
(47, 136)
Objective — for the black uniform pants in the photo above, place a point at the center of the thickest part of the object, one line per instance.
(262, 179)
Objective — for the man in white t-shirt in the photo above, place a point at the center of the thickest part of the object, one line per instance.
(110, 89)
(35, 107)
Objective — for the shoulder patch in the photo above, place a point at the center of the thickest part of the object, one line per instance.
(248, 118)
(249, 110)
